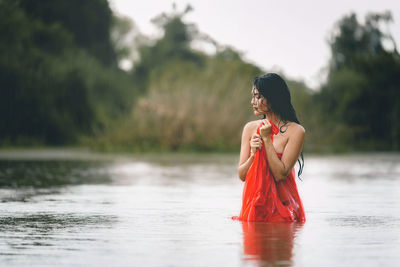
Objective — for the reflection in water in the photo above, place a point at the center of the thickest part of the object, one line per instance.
(44, 223)
(269, 243)
(22, 180)
(28, 231)
(125, 212)
(42, 174)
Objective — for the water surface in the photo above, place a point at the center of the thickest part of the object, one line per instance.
(69, 208)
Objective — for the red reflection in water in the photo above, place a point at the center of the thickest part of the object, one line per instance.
(269, 242)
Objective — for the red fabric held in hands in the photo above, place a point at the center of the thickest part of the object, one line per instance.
(264, 199)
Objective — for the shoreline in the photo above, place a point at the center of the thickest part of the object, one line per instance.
(85, 153)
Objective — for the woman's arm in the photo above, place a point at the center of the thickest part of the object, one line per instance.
(248, 146)
(281, 168)
(244, 167)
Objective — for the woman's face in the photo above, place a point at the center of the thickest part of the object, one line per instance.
(259, 103)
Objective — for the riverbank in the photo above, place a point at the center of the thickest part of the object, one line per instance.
(84, 153)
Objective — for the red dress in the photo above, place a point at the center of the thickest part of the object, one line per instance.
(264, 199)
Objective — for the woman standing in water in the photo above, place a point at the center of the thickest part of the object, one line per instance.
(269, 151)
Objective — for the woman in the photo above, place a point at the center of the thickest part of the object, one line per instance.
(269, 151)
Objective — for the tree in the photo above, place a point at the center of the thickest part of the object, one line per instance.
(173, 46)
(363, 86)
(88, 21)
(57, 84)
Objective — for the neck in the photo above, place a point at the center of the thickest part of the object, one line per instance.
(273, 117)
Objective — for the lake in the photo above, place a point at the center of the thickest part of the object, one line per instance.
(76, 208)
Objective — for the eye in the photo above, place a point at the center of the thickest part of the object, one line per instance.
(256, 96)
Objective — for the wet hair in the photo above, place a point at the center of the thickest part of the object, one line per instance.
(275, 90)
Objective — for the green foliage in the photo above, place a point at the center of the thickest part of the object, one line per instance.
(362, 93)
(60, 83)
(124, 37)
(190, 107)
(192, 101)
(174, 46)
(353, 42)
(88, 21)
(52, 90)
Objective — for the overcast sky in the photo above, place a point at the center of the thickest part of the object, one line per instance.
(285, 36)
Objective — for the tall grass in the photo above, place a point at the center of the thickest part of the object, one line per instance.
(188, 107)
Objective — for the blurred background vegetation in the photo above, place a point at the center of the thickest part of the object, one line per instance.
(61, 83)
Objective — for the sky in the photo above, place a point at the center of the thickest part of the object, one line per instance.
(288, 37)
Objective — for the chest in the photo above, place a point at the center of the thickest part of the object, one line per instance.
(279, 142)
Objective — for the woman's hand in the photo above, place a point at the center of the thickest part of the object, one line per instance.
(255, 142)
(265, 129)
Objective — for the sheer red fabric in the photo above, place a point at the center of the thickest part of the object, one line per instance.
(264, 199)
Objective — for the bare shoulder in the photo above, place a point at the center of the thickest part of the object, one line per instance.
(249, 129)
(251, 126)
(296, 129)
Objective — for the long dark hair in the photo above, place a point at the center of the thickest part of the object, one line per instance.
(275, 90)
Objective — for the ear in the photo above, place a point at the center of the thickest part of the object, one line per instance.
(266, 104)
